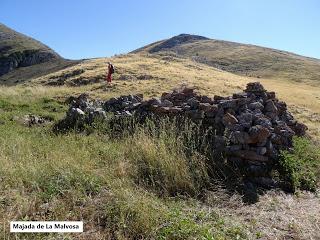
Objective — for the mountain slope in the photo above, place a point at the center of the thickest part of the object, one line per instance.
(18, 51)
(153, 74)
(242, 59)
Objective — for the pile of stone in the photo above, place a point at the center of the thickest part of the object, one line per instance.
(31, 120)
(123, 105)
(253, 125)
(82, 111)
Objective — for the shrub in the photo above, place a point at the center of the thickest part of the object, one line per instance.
(301, 165)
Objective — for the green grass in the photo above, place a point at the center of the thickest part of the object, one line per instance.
(121, 188)
(302, 165)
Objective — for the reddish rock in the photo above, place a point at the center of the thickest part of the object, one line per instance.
(258, 134)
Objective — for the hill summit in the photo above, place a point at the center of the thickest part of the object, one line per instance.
(23, 58)
(243, 59)
(18, 50)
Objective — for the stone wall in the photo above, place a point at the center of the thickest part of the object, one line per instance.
(253, 125)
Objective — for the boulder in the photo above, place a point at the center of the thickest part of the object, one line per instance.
(281, 106)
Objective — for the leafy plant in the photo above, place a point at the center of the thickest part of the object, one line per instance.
(301, 165)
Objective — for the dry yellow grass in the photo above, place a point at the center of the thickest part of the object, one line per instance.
(242, 59)
(152, 75)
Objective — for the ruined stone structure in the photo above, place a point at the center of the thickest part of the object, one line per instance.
(254, 125)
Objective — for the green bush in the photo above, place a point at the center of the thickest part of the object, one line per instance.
(301, 165)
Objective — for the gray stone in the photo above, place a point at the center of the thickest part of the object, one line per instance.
(238, 137)
(263, 121)
(250, 155)
(233, 148)
(255, 105)
(228, 103)
(245, 118)
(155, 101)
(166, 103)
(193, 103)
(261, 150)
(270, 106)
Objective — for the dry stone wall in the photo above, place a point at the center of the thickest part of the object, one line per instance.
(253, 125)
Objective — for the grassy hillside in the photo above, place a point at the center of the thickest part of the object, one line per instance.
(26, 74)
(12, 41)
(23, 58)
(243, 59)
(153, 74)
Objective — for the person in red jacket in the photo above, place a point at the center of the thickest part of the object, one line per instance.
(110, 72)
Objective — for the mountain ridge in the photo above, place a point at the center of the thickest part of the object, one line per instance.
(23, 58)
(20, 53)
(244, 59)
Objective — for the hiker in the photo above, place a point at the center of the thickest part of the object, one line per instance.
(110, 72)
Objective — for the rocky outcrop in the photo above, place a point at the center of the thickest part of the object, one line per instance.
(24, 59)
(251, 127)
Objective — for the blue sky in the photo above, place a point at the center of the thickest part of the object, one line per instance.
(95, 28)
